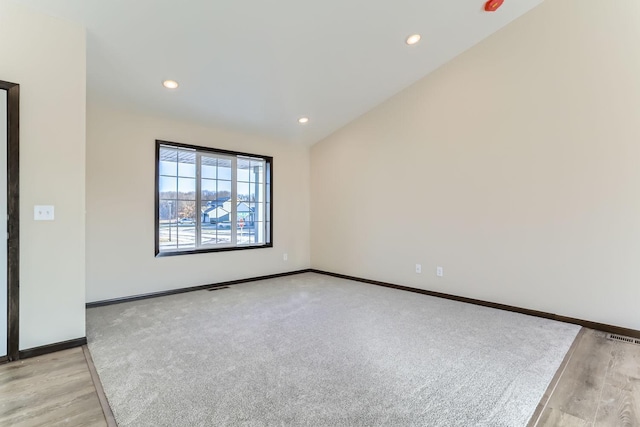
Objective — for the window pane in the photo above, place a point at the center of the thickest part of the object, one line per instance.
(167, 221)
(243, 175)
(224, 169)
(243, 211)
(218, 212)
(224, 232)
(252, 233)
(244, 166)
(186, 210)
(208, 189)
(168, 168)
(167, 210)
(267, 231)
(168, 187)
(257, 171)
(186, 224)
(224, 189)
(255, 192)
(168, 161)
(250, 215)
(259, 234)
(168, 153)
(244, 232)
(259, 212)
(186, 236)
(186, 188)
(187, 163)
(168, 237)
(208, 233)
(208, 167)
(205, 208)
(243, 191)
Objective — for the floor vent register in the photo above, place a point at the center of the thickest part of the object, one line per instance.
(218, 288)
(629, 340)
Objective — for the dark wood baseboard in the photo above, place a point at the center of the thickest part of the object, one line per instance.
(585, 323)
(52, 348)
(191, 289)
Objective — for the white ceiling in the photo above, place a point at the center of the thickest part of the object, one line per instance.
(258, 65)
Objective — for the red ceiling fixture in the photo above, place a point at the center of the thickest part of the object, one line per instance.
(493, 5)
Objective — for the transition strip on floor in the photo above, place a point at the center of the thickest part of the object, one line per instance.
(104, 403)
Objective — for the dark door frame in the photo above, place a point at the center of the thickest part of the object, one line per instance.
(13, 222)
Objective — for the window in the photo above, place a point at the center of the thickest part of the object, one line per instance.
(211, 200)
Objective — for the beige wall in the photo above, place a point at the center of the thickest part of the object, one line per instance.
(46, 56)
(120, 207)
(515, 167)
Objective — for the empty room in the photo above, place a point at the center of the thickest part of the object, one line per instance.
(337, 213)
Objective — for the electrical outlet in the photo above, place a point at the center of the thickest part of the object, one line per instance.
(43, 213)
(285, 256)
(418, 268)
(439, 272)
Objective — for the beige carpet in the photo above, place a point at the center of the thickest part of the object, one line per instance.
(315, 350)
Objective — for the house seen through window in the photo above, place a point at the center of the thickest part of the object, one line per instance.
(209, 200)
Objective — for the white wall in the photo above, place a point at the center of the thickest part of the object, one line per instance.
(46, 56)
(515, 167)
(120, 207)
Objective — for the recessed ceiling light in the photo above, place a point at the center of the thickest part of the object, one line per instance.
(170, 84)
(303, 120)
(413, 39)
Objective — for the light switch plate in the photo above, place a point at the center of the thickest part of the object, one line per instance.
(43, 213)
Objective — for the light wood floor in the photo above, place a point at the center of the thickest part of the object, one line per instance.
(599, 385)
(51, 390)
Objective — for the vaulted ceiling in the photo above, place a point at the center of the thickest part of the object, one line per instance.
(258, 66)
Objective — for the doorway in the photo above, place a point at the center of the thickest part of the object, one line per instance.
(9, 209)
